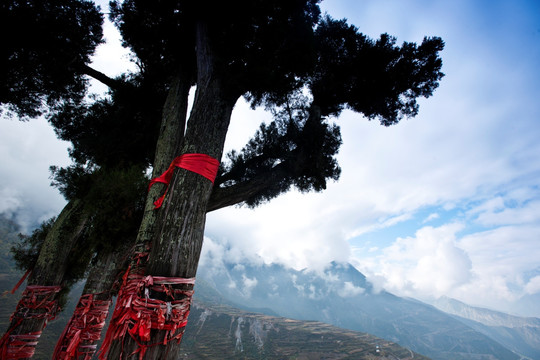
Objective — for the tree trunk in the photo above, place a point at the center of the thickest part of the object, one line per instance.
(39, 301)
(170, 139)
(179, 225)
(83, 331)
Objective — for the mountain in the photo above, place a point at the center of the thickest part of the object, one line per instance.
(519, 334)
(222, 332)
(341, 296)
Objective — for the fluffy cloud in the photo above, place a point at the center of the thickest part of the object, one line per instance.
(484, 268)
(533, 286)
(349, 290)
(27, 150)
(429, 264)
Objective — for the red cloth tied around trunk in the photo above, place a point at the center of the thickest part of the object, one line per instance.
(21, 281)
(201, 164)
(80, 337)
(38, 302)
(136, 313)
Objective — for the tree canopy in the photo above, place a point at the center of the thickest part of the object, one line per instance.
(45, 55)
(282, 54)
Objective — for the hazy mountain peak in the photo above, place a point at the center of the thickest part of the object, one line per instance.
(484, 316)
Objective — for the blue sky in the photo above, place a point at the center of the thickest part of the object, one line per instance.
(447, 203)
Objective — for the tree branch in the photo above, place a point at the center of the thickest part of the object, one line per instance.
(101, 77)
(241, 192)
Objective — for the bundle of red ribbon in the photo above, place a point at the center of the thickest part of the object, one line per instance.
(37, 302)
(80, 337)
(136, 313)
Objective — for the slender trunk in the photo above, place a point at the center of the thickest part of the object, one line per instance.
(170, 138)
(83, 331)
(39, 301)
(179, 225)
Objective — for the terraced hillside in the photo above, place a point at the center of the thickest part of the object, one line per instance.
(222, 332)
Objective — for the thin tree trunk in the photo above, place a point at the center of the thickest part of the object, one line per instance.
(179, 226)
(170, 139)
(39, 301)
(83, 331)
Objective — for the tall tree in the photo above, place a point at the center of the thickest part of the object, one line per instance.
(271, 56)
(47, 72)
(231, 59)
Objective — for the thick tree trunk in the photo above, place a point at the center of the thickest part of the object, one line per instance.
(38, 303)
(179, 225)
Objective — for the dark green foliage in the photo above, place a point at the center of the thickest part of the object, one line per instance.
(26, 252)
(116, 202)
(269, 52)
(159, 33)
(45, 43)
(118, 131)
(263, 54)
(296, 149)
(73, 181)
(375, 78)
(114, 199)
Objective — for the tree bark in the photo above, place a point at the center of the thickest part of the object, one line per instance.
(50, 269)
(84, 328)
(170, 139)
(179, 225)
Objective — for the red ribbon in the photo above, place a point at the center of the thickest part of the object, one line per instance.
(21, 280)
(80, 337)
(137, 314)
(201, 164)
(37, 302)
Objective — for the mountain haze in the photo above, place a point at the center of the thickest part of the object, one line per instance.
(521, 335)
(340, 295)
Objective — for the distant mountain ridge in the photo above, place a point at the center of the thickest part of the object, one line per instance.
(340, 295)
(484, 316)
(519, 334)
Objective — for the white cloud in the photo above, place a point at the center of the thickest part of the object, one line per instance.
(484, 268)
(380, 224)
(533, 286)
(248, 285)
(430, 217)
(294, 229)
(10, 202)
(429, 264)
(527, 213)
(349, 290)
(27, 150)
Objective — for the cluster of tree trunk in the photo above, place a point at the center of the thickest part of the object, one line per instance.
(281, 54)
